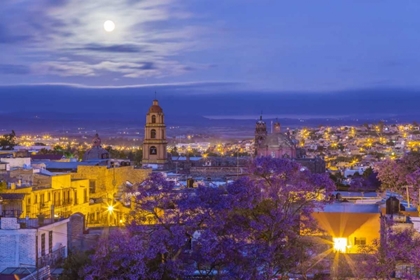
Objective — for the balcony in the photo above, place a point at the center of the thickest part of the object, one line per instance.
(52, 259)
(67, 202)
(11, 213)
(44, 205)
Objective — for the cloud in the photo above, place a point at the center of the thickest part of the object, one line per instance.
(180, 85)
(154, 30)
(8, 69)
(128, 48)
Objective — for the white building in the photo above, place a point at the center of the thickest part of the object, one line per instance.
(16, 162)
(28, 244)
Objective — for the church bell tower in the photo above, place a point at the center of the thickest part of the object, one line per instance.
(260, 134)
(154, 144)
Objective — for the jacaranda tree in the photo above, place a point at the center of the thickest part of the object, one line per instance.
(397, 175)
(251, 229)
(396, 253)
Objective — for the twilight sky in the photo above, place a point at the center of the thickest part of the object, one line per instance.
(264, 45)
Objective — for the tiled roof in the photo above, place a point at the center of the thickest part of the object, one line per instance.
(49, 157)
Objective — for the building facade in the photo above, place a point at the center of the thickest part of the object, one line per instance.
(35, 245)
(276, 144)
(154, 144)
(96, 152)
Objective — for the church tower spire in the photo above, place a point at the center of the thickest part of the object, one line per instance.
(260, 134)
(154, 144)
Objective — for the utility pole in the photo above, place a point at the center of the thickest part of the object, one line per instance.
(36, 256)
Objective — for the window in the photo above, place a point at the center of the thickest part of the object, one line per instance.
(42, 198)
(50, 241)
(29, 200)
(66, 196)
(92, 186)
(153, 133)
(360, 241)
(153, 150)
(43, 244)
(36, 199)
(85, 196)
(57, 197)
(75, 197)
(153, 119)
(49, 196)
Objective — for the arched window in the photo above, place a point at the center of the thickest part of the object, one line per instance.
(153, 119)
(153, 133)
(153, 150)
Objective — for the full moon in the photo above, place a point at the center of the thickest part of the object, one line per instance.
(109, 26)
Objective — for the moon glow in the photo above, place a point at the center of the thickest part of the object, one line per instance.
(109, 26)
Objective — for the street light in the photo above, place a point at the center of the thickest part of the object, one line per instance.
(110, 208)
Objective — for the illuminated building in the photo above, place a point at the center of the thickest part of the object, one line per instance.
(276, 144)
(96, 151)
(50, 194)
(280, 145)
(154, 144)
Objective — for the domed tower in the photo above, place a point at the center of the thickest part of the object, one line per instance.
(276, 127)
(154, 144)
(96, 151)
(260, 134)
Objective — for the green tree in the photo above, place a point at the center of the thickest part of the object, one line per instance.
(74, 264)
(8, 141)
(3, 186)
(367, 172)
(174, 151)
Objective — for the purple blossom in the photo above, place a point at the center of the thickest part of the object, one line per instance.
(251, 229)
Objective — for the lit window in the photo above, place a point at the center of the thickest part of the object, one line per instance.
(153, 150)
(340, 244)
(359, 241)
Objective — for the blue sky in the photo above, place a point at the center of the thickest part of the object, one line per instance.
(310, 46)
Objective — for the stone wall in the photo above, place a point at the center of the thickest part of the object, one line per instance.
(75, 230)
(107, 180)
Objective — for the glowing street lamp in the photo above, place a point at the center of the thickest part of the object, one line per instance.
(340, 244)
(110, 208)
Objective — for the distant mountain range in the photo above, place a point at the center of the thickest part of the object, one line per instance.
(59, 107)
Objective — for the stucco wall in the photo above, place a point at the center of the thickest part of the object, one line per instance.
(350, 225)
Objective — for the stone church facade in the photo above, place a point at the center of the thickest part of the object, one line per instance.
(276, 144)
(281, 145)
